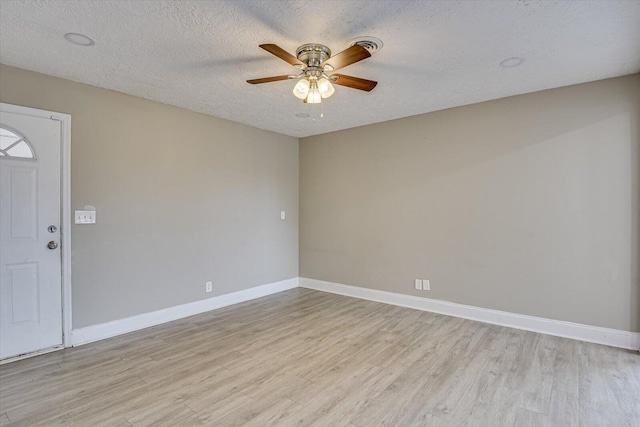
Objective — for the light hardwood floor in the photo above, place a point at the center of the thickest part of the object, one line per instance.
(306, 358)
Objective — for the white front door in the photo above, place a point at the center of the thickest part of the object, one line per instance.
(30, 253)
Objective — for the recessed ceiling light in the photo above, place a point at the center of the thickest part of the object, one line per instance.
(79, 39)
(302, 115)
(514, 61)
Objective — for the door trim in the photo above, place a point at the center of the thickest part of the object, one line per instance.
(65, 214)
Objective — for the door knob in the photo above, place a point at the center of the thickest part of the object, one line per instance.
(52, 245)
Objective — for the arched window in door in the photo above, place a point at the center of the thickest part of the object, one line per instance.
(14, 145)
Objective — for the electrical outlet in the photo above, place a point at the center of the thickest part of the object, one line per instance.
(418, 284)
(208, 286)
(283, 215)
(426, 286)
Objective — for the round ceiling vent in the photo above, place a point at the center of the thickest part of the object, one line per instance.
(372, 44)
(79, 39)
(514, 61)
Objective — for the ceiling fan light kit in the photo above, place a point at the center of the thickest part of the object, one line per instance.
(315, 62)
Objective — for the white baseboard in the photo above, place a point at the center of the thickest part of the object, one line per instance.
(595, 334)
(122, 326)
(577, 331)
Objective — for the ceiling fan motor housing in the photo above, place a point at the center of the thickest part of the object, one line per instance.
(313, 55)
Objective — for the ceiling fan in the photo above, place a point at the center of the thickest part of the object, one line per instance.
(315, 62)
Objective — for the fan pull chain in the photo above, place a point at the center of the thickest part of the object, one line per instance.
(313, 116)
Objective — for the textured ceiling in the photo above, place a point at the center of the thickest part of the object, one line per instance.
(437, 54)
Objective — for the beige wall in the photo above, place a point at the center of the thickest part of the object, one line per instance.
(527, 204)
(181, 198)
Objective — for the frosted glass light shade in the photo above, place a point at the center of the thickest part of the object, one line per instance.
(325, 87)
(314, 96)
(301, 89)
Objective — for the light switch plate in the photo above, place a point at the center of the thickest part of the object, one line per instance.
(283, 215)
(418, 284)
(85, 217)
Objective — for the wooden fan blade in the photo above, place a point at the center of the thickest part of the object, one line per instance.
(281, 53)
(268, 79)
(354, 82)
(347, 57)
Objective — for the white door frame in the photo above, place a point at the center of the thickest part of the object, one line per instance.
(65, 206)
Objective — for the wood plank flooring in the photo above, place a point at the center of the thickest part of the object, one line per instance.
(308, 358)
